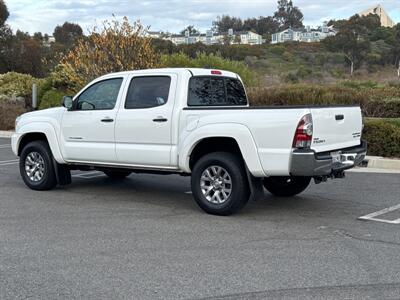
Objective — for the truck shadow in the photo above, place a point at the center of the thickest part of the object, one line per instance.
(174, 191)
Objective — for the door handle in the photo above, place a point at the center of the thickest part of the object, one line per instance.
(107, 120)
(339, 117)
(160, 119)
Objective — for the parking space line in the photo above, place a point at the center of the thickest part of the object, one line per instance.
(372, 216)
(89, 175)
(8, 162)
(5, 146)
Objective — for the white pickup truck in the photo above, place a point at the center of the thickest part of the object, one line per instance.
(191, 122)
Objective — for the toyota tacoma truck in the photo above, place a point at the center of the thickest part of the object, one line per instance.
(193, 122)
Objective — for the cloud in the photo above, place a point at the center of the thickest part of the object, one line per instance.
(172, 15)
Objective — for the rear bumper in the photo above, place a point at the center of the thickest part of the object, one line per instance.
(309, 163)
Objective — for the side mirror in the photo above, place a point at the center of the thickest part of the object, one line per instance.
(67, 102)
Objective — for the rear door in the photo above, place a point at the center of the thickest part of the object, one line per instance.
(336, 128)
(144, 122)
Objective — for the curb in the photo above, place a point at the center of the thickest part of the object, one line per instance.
(377, 162)
(6, 134)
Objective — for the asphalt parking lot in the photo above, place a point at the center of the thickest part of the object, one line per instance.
(145, 238)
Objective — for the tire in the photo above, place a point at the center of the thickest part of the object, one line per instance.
(117, 174)
(286, 186)
(228, 192)
(36, 166)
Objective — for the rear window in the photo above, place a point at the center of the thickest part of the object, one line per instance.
(216, 91)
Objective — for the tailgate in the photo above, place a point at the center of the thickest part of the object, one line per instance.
(336, 128)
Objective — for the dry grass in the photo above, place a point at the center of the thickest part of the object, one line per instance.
(9, 110)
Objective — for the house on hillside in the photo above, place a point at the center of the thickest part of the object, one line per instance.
(380, 11)
(212, 38)
(307, 35)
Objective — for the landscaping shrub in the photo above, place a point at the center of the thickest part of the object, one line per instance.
(381, 101)
(14, 84)
(51, 98)
(383, 138)
(181, 60)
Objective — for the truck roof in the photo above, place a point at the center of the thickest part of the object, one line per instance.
(194, 71)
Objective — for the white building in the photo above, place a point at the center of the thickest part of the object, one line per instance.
(211, 38)
(307, 35)
(380, 11)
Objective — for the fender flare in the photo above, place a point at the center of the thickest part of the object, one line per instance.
(50, 133)
(240, 133)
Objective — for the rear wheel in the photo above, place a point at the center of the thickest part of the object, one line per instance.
(117, 174)
(286, 186)
(36, 166)
(219, 183)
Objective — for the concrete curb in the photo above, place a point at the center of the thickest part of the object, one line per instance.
(6, 134)
(377, 162)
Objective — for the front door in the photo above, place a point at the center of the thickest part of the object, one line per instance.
(88, 129)
(143, 128)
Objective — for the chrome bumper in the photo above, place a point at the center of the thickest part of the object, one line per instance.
(309, 163)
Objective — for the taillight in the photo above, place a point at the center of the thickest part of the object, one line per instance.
(304, 131)
(216, 72)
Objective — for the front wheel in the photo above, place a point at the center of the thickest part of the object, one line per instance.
(286, 186)
(219, 183)
(36, 166)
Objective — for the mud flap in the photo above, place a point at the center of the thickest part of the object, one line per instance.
(256, 186)
(63, 173)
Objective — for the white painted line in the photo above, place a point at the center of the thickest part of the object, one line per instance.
(8, 161)
(5, 146)
(371, 216)
(189, 192)
(89, 175)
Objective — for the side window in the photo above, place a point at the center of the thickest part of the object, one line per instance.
(199, 91)
(147, 92)
(99, 96)
(216, 91)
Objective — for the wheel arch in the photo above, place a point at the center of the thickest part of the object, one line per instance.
(42, 131)
(228, 137)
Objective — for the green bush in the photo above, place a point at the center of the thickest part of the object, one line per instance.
(292, 78)
(304, 72)
(16, 84)
(51, 98)
(277, 50)
(383, 138)
(181, 60)
(381, 101)
(360, 84)
(287, 56)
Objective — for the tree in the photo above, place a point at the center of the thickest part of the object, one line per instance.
(192, 30)
(224, 23)
(117, 46)
(68, 33)
(267, 25)
(288, 16)
(4, 14)
(353, 39)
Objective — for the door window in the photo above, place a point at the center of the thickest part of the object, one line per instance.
(148, 91)
(100, 96)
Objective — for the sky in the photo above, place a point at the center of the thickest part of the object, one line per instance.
(173, 15)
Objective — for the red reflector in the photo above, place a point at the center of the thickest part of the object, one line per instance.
(216, 72)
